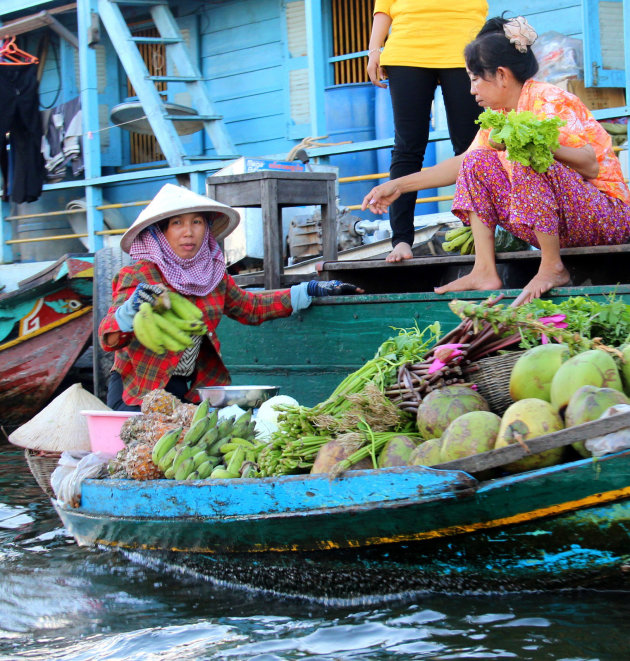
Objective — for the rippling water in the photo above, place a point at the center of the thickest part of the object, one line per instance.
(59, 601)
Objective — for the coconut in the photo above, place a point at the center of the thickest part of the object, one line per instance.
(588, 403)
(589, 368)
(426, 454)
(625, 368)
(440, 407)
(60, 425)
(337, 450)
(525, 420)
(396, 451)
(469, 434)
(532, 373)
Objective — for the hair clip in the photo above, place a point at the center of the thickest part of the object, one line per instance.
(520, 33)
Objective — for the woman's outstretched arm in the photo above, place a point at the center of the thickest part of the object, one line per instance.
(443, 174)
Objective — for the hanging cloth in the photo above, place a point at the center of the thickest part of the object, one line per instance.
(20, 119)
(61, 143)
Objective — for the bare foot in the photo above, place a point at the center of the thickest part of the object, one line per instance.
(543, 281)
(473, 281)
(400, 252)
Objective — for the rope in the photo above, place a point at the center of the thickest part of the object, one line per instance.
(311, 143)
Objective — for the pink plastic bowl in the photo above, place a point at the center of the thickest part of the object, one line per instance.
(104, 429)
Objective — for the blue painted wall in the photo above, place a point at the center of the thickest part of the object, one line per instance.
(241, 49)
(243, 52)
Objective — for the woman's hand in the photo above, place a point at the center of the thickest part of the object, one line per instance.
(498, 146)
(374, 69)
(319, 288)
(581, 159)
(380, 197)
(381, 23)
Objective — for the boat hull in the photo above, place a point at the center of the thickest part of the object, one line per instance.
(33, 368)
(409, 528)
(542, 556)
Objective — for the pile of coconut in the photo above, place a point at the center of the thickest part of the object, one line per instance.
(551, 391)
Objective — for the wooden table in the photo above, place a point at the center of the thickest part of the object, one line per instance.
(271, 191)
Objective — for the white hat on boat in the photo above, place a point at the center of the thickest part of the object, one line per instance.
(60, 425)
(172, 200)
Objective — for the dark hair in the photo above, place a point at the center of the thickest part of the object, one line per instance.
(491, 49)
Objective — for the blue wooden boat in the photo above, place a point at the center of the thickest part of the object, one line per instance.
(385, 531)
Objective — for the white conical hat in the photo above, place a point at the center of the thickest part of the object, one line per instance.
(60, 425)
(172, 200)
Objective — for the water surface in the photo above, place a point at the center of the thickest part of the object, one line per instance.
(59, 601)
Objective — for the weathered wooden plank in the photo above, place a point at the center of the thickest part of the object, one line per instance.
(518, 255)
(597, 265)
(268, 497)
(234, 193)
(495, 458)
(272, 242)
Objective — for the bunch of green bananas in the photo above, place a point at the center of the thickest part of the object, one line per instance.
(461, 239)
(208, 448)
(168, 326)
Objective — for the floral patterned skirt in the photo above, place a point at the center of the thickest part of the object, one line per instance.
(558, 202)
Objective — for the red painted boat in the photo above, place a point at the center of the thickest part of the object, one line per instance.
(45, 325)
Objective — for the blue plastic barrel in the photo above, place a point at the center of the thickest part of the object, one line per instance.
(384, 128)
(350, 116)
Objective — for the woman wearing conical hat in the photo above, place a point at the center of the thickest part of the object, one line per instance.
(174, 245)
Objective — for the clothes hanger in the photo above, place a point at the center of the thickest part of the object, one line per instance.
(11, 54)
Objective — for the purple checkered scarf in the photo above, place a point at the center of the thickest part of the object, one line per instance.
(197, 276)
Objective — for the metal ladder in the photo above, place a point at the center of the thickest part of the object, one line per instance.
(178, 59)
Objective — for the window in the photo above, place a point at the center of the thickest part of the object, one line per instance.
(604, 56)
(351, 23)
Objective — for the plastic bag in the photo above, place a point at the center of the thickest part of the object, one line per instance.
(232, 410)
(613, 442)
(505, 241)
(72, 469)
(559, 57)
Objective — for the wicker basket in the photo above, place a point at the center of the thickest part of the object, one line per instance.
(42, 465)
(493, 379)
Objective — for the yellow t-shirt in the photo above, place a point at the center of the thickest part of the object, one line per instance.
(430, 33)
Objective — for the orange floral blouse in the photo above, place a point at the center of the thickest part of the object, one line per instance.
(581, 128)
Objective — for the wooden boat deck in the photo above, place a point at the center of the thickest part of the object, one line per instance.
(596, 265)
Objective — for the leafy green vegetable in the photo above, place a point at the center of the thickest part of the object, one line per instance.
(528, 140)
(608, 319)
(505, 241)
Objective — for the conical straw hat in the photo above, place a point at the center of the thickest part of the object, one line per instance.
(60, 426)
(173, 200)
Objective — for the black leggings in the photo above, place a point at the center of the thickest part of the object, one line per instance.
(412, 90)
(177, 385)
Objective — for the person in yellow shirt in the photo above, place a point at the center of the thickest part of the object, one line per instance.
(423, 47)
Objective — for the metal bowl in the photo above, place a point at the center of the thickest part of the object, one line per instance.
(247, 397)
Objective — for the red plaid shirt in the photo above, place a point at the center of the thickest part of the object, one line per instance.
(143, 371)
